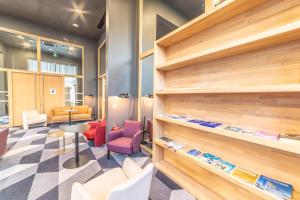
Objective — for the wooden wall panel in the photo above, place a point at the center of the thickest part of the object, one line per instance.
(248, 23)
(52, 100)
(273, 113)
(23, 95)
(274, 65)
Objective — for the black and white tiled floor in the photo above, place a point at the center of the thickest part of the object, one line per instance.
(33, 170)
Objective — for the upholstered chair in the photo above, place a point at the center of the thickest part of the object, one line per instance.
(96, 132)
(33, 117)
(128, 182)
(126, 140)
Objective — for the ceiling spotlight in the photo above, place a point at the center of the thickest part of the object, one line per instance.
(20, 37)
(75, 25)
(71, 48)
(50, 49)
(78, 11)
(26, 45)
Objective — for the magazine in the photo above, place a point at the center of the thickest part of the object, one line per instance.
(245, 175)
(277, 188)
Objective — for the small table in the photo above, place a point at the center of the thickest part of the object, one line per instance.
(78, 160)
(70, 115)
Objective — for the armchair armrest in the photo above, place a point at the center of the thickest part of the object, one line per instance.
(130, 168)
(136, 140)
(94, 124)
(79, 193)
(115, 134)
(50, 115)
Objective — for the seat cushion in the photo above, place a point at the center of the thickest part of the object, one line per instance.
(100, 186)
(60, 111)
(89, 134)
(121, 145)
(62, 118)
(80, 109)
(81, 117)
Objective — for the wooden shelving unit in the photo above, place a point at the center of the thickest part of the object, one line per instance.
(237, 64)
(287, 88)
(182, 153)
(288, 145)
(278, 35)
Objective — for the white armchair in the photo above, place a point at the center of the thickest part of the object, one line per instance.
(33, 117)
(130, 182)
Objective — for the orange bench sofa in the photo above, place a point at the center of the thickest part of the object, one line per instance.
(60, 114)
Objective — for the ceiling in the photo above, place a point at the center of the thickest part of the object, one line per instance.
(188, 8)
(59, 14)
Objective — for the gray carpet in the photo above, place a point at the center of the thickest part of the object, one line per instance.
(32, 168)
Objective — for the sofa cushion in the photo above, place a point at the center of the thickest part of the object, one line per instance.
(80, 109)
(60, 118)
(81, 117)
(60, 111)
(121, 145)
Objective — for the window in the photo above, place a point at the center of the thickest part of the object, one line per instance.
(73, 91)
(4, 115)
(51, 67)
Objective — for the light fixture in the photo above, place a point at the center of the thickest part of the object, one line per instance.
(71, 48)
(32, 41)
(50, 49)
(123, 95)
(78, 11)
(26, 45)
(20, 37)
(75, 25)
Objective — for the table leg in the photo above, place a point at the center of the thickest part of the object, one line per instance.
(76, 148)
(70, 120)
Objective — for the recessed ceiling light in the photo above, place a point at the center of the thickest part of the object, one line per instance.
(20, 37)
(71, 48)
(78, 11)
(26, 45)
(75, 25)
(50, 49)
(31, 41)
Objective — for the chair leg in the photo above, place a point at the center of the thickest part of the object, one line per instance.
(140, 149)
(108, 154)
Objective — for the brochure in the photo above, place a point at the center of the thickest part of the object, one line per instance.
(196, 121)
(225, 166)
(233, 129)
(211, 124)
(245, 175)
(194, 152)
(277, 188)
(210, 159)
(270, 136)
(166, 139)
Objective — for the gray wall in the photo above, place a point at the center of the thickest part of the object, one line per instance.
(90, 46)
(121, 68)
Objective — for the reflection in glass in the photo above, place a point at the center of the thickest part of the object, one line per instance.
(147, 88)
(60, 58)
(16, 51)
(4, 115)
(73, 91)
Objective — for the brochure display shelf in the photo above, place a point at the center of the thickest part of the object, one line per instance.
(182, 153)
(238, 65)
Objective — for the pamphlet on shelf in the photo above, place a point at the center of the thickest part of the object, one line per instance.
(279, 189)
(210, 158)
(195, 121)
(245, 175)
(211, 124)
(166, 139)
(194, 152)
(178, 146)
(225, 166)
(233, 129)
(270, 136)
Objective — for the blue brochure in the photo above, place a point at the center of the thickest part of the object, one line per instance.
(211, 124)
(194, 152)
(225, 166)
(277, 188)
(196, 121)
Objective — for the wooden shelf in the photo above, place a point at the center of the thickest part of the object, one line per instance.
(251, 188)
(282, 144)
(221, 13)
(271, 37)
(185, 181)
(288, 88)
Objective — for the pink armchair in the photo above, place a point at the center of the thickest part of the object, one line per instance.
(126, 140)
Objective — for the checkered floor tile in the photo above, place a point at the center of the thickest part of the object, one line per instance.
(32, 168)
